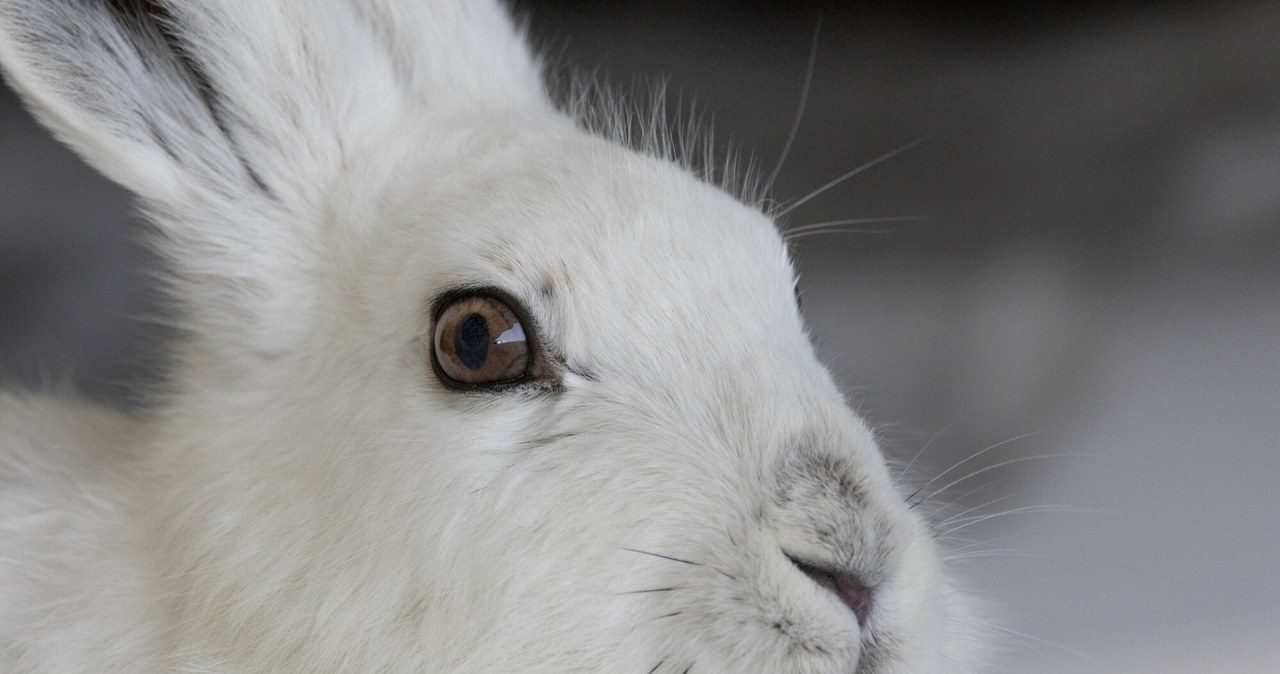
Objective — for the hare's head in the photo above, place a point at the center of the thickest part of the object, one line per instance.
(464, 387)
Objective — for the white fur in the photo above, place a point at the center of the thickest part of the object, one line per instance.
(308, 497)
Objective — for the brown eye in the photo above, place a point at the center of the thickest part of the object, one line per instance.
(479, 341)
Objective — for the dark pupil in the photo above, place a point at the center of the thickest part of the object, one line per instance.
(471, 341)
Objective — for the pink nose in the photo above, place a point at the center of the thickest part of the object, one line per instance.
(853, 593)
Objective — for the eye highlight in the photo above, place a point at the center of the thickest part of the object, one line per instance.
(479, 341)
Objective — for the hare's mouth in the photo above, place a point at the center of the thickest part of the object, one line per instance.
(852, 592)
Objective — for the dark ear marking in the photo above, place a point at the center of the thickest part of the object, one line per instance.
(161, 140)
(400, 67)
(151, 22)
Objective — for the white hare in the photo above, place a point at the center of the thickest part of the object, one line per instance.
(462, 387)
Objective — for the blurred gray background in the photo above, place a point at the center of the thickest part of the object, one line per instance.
(1087, 316)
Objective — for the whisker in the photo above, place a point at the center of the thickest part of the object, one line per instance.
(955, 544)
(656, 589)
(975, 455)
(655, 667)
(820, 227)
(838, 230)
(804, 99)
(882, 158)
(955, 665)
(1046, 642)
(1022, 511)
(960, 498)
(1005, 552)
(965, 591)
(682, 561)
(985, 541)
(654, 554)
(1001, 464)
(922, 450)
(978, 507)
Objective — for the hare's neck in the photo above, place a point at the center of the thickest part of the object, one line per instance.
(260, 532)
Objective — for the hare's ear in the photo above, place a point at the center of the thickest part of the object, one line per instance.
(232, 118)
(234, 96)
(111, 79)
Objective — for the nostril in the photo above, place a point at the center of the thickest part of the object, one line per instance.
(853, 593)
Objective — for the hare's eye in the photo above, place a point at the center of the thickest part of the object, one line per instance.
(479, 341)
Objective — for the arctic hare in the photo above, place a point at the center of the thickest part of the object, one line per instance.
(462, 386)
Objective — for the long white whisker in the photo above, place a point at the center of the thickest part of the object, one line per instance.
(922, 450)
(977, 454)
(992, 502)
(882, 158)
(955, 665)
(960, 498)
(1001, 464)
(839, 230)
(1002, 552)
(804, 99)
(1046, 642)
(985, 541)
(850, 221)
(1022, 511)
(831, 226)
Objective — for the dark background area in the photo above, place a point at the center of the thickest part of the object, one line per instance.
(1093, 291)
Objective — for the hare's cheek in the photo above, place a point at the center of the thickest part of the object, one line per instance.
(919, 607)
